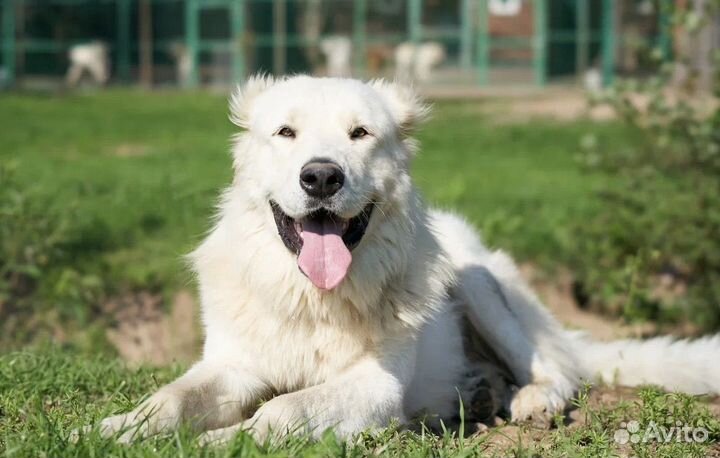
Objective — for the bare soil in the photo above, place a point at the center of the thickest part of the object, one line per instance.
(502, 438)
(146, 331)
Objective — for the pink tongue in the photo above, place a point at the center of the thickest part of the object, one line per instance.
(324, 258)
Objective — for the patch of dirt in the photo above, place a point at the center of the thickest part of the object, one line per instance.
(145, 333)
(714, 452)
(508, 105)
(501, 438)
(558, 102)
(130, 150)
(564, 107)
(556, 293)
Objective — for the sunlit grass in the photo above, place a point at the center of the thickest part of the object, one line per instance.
(46, 392)
(143, 171)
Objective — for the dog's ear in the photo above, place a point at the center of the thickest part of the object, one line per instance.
(242, 98)
(405, 105)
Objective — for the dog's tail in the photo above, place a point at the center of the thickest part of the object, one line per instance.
(689, 366)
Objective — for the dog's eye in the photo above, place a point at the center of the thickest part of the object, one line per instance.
(285, 131)
(359, 132)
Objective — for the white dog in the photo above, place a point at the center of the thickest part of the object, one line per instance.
(337, 50)
(91, 58)
(331, 293)
(418, 61)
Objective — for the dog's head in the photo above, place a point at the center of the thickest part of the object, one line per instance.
(325, 157)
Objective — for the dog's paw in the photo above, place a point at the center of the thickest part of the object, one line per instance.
(536, 403)
(218, 437)
(484, 393)
(123, 426)
(262, 428)
(276, 419)
(160, 413)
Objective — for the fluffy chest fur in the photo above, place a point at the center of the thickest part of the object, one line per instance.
(262, 313)
(289, 354)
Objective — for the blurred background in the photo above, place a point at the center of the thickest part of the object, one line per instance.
(451, 44)
(581, 136)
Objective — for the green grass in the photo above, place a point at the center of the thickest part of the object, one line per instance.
(46, 393)
(142, 172)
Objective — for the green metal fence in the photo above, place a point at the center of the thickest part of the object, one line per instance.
(544, 41)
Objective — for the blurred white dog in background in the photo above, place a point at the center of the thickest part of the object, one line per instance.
(338, 55)
(417, 61)
(91, 58)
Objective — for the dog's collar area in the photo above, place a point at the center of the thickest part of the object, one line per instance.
(288, 227)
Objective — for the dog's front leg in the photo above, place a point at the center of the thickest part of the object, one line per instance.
(209, 396)
(367, 395)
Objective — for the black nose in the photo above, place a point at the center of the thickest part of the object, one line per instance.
(321, 179)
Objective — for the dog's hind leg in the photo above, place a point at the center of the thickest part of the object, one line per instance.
(74, 74)
(512, 321)
(527, 340)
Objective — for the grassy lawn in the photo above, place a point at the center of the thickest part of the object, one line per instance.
(133, 178)
(46, 393)
(141, 173)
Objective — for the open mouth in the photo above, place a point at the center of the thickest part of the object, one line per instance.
(323, 242)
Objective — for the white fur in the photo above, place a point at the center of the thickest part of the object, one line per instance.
(337, 50)
(91, 58)
(387, 342)
(690, 366)
(417, 61)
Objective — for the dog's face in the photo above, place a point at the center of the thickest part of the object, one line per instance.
(322, 154)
